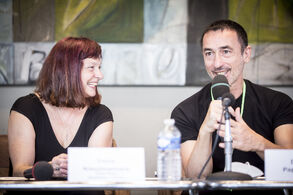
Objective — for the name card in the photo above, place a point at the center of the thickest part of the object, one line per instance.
(279, 164)
(106, 164)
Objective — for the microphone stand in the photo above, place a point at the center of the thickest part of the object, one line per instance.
(227, 174)
(228, 141)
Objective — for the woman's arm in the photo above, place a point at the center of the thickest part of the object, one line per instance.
(102, 136)
(21, 142)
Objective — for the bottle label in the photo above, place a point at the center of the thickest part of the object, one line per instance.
(164, 143)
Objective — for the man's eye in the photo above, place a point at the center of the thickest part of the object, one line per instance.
(226, 51)
(209, 53)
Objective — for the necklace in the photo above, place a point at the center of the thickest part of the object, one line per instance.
(65, 123)
(243, 98)
(64, 129)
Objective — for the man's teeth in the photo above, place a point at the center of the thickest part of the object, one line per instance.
(221, 73)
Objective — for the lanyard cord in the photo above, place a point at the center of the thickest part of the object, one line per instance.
(243, 97)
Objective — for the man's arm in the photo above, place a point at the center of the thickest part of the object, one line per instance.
(283, 139)
(284, 136)
(195, 152)
(194, 155)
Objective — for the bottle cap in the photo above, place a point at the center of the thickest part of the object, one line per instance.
(169, 121)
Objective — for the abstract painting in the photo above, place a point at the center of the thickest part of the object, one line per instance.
(145, 42)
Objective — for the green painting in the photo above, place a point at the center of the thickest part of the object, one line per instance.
(265, 21)
(111, 21)
(140, 38)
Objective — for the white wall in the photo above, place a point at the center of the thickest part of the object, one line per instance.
(138, 112)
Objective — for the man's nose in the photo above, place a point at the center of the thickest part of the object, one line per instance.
(217, 60)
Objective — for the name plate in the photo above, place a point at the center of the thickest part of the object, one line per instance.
(106, 164)
(279, 164)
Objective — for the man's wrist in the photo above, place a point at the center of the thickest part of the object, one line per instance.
(205, 132)
(261, 144)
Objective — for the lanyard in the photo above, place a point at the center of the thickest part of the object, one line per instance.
(243, 98)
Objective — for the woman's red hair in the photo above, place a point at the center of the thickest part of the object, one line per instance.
(59, 81)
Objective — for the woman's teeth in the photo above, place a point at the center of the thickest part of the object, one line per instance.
(93, 84)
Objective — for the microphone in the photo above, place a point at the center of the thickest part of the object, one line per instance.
(221, 90)
(220, 86)
(41, 171)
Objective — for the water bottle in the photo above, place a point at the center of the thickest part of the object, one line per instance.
(169, 159)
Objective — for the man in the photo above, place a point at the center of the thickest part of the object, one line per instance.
(261, 118)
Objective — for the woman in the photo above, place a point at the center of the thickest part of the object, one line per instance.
(64, 111)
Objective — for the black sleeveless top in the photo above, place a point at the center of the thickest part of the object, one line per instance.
(47, 145)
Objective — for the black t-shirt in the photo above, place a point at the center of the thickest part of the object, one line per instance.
(264, 110)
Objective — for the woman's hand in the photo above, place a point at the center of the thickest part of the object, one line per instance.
(59, 164)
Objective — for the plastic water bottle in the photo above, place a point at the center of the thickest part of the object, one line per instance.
(169, 159)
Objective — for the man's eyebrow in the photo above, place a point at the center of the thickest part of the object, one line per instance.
(223, 47)
(226, 47)
(207, 49)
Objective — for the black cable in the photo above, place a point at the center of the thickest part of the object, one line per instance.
(213, 149)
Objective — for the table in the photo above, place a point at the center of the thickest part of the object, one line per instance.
(193, 186)
(259, 184)
(20, 183)
(248, 185)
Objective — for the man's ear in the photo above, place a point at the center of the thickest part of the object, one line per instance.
(247, 54)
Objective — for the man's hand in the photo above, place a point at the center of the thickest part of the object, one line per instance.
(244, 138)
(213, 117)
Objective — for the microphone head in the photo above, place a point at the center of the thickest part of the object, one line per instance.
(220, 86)
(42, 171)
(228, 100)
